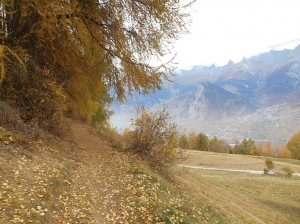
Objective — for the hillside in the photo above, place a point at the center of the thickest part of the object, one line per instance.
(86, 179)
(249, 197)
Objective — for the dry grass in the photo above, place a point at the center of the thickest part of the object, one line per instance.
(261, 198)
(85, 180)
(234, 161)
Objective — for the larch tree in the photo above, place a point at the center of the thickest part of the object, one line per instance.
(192, 139)
(284, 153)
(268, 148)
(259, 149)
(183, 141)
(293, 145)
(87, 49)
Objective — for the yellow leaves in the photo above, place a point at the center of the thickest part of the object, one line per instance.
(104, 185)
(40, 195)
(67, 182)
(4, 53)
(143, 198)
(7, 137)
(293, 146)
(115, 191)
(17, 219)
(90, 52)
(154, 137)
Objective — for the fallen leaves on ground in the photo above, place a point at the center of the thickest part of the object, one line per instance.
(85, 181)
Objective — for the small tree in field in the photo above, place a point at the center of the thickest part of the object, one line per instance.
(288, 171)
(284, 153)
(155, 138)
(268, 148)
(183, 142)
(202, 142)
(269, 164)
(192, 139)
(293, 146)
(259, 149)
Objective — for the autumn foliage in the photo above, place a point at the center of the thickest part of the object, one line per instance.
(293, 146)
(269, 164)
(154, 138)
(72, 57)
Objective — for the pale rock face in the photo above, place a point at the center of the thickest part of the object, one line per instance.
(294, 72)
(198, 108)
(231, 89)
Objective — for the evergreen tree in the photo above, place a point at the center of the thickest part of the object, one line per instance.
(202, 142)
(246, 147)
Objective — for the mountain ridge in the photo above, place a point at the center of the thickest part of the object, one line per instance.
(214, 93)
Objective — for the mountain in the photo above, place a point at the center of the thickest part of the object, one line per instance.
(264, 78)
(235, 91)
(207, 102)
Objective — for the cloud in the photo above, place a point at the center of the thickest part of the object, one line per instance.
(286, 44)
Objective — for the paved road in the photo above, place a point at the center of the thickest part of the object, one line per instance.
(231, 170)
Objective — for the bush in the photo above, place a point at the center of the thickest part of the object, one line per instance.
(269, 164)
(288, 171)
(38, 98)
(154, 138)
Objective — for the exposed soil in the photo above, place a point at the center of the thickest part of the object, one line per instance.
(86, 183)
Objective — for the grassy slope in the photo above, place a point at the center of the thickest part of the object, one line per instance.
(234, 161)
(270, 199)
(85, 180)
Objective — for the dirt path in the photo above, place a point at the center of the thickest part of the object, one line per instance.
(101, 176)
(82, 180)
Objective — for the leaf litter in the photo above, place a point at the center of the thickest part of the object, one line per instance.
(83, 180)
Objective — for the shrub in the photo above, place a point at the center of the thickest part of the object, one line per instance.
(288, 171)
(269, 164)
(154, 138)
(38, 98)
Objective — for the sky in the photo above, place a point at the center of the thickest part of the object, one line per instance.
(224, 30)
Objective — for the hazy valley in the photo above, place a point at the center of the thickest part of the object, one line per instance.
(257, 98)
